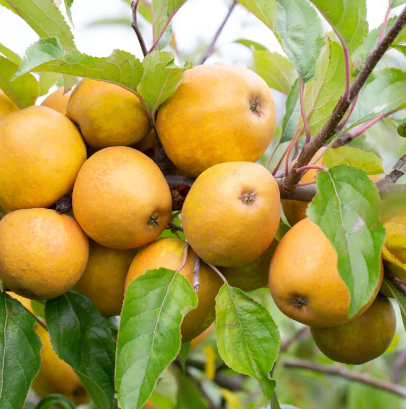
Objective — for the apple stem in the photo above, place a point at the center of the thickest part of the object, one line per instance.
(196, 270)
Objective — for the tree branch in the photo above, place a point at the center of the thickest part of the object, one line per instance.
(350, 136)
(399, 366)
(196, 270)
(341, 108)
(395, 175)
(301, 334)
(211, 47)
(395, 281)
(306, 193)
(230, 382)
(174, 227)
(199, 384)
(343, 373)
(134, 25)
(297, 192)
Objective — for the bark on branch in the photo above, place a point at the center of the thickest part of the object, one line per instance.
(341, 108)
(344, 373)
(134, 25)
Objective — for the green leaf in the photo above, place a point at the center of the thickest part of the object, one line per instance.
(184, 353)
(401, 48)
(397, 3)
(292, 114)
(346, 208)
(398, 296)
(189, 395)
(68, 5)
(124, 21)
(162, 13)
(247, 337)
(11, 55)
(68, 82)
(386, 92)
(348, 17)
(43, 17)
(322, 94)
(55, 401)
(39, 308)
(46, 81)
(355, 157)
(20, 352)
(265, 10)
(161, 78)
(363, 51)
(24, 91)
(277, 71)
(149, 335)
(301, 35)
(47, 55)
(275, 402)
(82, 338)
(144, 8)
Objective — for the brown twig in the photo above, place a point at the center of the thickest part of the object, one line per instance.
(211, 47)
(299, 335)
(196, 270)
(399, 366)
(341, 108)
(350, 136)
(230, 382)
(395, 175)
(298, 192)
(304, 192)
(393, 279)
(199, 384)
(134, 25)
(174, 227)
(344, 373)
(310, 167)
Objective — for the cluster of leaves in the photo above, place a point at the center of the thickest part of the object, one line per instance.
(247, 337)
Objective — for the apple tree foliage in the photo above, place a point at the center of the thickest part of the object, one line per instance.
(120, 366)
